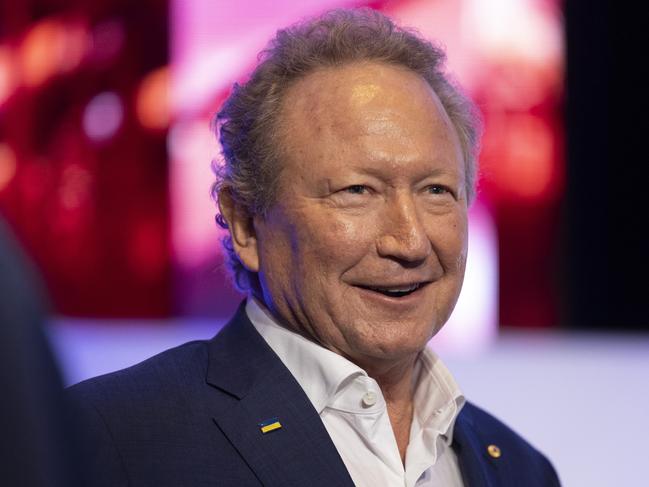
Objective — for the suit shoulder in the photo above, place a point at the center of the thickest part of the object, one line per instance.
(516, 451)
(168, 373)
(487, 424)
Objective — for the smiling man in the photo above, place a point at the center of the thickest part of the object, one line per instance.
(350, 163)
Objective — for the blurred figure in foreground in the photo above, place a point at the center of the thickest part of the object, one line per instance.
(35, 434)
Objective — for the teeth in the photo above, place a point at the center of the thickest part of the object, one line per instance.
(403, 289)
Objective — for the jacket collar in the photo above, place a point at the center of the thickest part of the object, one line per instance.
(477, 466)
(251, 387)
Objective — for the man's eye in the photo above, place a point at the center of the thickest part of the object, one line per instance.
(356, 189)
(437, 189)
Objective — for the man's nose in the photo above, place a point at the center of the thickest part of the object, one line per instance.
(403, 236)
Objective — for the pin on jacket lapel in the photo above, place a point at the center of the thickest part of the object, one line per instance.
(259, 387)
(492, 455)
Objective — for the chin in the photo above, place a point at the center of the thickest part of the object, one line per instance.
(391, 347)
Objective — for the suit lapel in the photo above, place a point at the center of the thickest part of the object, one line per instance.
(259, 387)
(476, 466)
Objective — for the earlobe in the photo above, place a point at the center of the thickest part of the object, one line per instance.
(242, 230)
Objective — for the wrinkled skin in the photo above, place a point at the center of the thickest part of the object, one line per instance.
(372, 195)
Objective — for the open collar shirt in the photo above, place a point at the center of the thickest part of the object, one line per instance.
(354, 412)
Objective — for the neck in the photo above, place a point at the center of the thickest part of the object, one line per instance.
(397, 386)
(395, 380)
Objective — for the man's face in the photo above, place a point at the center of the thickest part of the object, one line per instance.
(365, 248)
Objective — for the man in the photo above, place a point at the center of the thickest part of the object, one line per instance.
(349, 168)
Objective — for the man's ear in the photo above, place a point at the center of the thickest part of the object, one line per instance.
(242, 231)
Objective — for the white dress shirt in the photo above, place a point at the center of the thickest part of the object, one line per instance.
(354, 412)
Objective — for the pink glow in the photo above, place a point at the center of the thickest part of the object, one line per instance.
(474, 322)
(214, 42)
(191, 147)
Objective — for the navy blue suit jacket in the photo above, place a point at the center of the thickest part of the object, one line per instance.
(190, 417)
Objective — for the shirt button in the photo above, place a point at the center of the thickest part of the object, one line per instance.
(369, 399)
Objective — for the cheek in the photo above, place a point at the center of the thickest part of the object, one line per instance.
(337, 241)
(275, 255)
(451, 242)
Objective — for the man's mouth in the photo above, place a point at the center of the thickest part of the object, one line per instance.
(395, 291)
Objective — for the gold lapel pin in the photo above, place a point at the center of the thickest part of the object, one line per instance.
(494, 451)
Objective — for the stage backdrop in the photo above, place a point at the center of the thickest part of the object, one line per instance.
(105, 147)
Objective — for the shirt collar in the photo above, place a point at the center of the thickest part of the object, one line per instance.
(324, 374)
(320, 372)
(438, 399)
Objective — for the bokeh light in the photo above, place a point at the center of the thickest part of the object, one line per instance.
(152, 103)
(7, 165)
(51, 47)
(93, 93)
(103, 116)
(41, 51)
(75, 186)
(8, 74)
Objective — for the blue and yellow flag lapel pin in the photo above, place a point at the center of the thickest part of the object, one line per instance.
(269, 425)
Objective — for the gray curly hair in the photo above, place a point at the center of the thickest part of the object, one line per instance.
(247, 123)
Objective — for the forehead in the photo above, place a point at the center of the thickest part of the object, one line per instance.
(345, 90)
(363, 99)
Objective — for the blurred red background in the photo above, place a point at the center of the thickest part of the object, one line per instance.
(85, 175)
(83, 172)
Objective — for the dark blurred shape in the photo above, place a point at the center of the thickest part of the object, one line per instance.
(36, 444)
(607, 262)
(83, 162)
